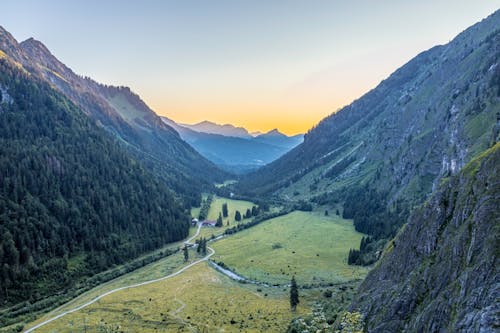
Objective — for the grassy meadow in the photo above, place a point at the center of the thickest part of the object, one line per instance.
(308, 245)
(199, 300)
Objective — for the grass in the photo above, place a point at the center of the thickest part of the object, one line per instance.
(199, 300)
(308, 245)
(154, 270)
(232, 207)
(151, 271)
(315, 183)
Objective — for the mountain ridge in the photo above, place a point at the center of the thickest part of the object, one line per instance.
(396, 142)
(214, 128)
(64, 186)
(235, 153)
(124, 115)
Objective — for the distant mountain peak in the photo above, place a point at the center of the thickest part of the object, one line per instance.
(274, 132)
(35, 43)
(256, 133)
(214, 128)
(3, 31)
(205, 122)
(35, 47)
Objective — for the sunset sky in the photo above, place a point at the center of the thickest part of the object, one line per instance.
(258, 64)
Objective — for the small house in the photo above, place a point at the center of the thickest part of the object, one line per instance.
(208, 223)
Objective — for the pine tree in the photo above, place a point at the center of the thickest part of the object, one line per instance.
(248, 214)
(219, 221)
(224, 210)
(294, 294)
(186, 253)
(237, 216)
(204, 246)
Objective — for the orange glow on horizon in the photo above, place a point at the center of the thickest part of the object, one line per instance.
(292, 105)
(294, 112)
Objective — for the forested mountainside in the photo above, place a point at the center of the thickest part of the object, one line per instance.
(383, 154)
(124, 114)
(441, 273)
(72, 200)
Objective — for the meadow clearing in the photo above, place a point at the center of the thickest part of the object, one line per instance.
(309, 245)
(199, 300)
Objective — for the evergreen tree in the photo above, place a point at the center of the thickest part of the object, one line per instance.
(354, 257)
(237, 216)
(186, 253)
(219, 221)
(255, 211)
(203, 246)
(248, 214)
(326, 212)
(294, 294)
(224, 210)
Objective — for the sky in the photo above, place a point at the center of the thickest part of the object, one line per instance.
(261, 64)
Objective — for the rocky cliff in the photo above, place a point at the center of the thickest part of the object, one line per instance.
(440, 274)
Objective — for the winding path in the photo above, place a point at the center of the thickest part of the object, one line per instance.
(188, 242)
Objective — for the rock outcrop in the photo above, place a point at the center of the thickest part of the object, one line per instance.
(440, 274)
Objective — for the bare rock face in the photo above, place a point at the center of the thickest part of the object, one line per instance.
(441, 273)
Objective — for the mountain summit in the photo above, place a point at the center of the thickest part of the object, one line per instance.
(213, 128)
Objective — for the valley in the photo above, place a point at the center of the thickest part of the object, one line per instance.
(187, 300)
(382, 217)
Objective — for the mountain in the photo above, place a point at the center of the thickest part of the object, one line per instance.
(237, 154)
(126, 116)
(276, 138)
(73, 200)
(213, 128)
(441, 273)
(415, 161)
(384, 154)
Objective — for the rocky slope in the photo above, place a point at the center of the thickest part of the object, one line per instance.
(441, 273)
(391, 147)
